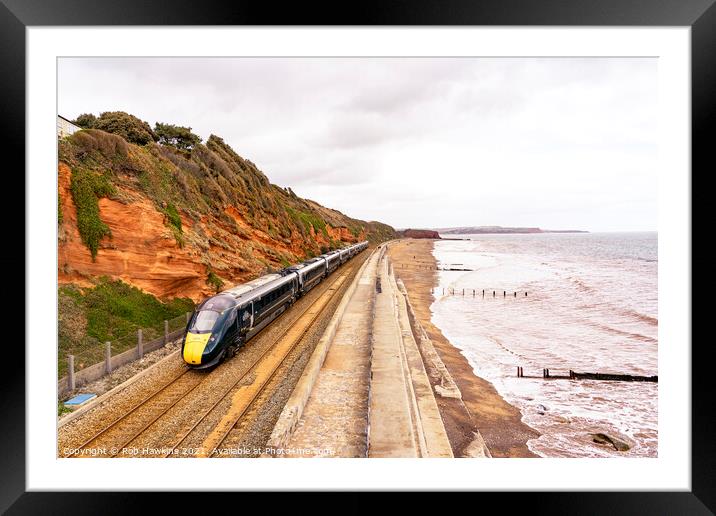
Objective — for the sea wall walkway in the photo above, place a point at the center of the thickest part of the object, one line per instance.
(365, 391)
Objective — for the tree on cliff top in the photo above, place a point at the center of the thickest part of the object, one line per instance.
(176, 136)
(127, 126)
(86, 121)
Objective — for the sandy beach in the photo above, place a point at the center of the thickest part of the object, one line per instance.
(481, 407)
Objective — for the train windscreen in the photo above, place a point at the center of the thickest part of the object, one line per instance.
(204, 321)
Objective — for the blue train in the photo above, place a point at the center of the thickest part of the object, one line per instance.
(221, 324)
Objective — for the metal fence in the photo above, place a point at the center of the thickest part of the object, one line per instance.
(90, 359)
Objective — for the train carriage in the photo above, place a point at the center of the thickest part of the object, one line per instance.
(221, 324)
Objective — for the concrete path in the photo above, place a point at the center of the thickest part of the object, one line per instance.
(371, 395)
(334, 422)
(404, 417)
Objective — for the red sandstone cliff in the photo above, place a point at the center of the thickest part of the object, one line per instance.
(247, 227)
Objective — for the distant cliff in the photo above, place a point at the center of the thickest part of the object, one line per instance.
(476, 230)
(418, 233)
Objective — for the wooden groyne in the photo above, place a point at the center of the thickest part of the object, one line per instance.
(471, 292)
(453, 267)
(573, 375)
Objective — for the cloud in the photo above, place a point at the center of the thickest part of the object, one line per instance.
(414, 141)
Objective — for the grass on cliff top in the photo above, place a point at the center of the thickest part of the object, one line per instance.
(88, 317)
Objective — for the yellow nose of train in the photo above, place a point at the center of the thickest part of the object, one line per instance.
(194, 345)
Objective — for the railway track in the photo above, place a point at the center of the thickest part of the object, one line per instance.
(261, 373)
(165, 398)
(145, 414)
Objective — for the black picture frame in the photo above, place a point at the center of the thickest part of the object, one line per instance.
(17, 15)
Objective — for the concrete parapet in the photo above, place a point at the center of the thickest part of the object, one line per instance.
(447, 388)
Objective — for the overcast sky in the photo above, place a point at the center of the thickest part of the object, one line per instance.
(439, 142)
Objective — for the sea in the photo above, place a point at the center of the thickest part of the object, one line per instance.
(586, 302)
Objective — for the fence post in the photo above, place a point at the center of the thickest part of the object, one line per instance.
(108, 357)
(166, 332)
(71, 372)
(140, 344)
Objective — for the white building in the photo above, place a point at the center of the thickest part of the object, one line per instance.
(65, 127)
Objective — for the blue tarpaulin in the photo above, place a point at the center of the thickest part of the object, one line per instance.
(79, 399)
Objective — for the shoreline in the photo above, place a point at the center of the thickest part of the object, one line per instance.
(481, 409)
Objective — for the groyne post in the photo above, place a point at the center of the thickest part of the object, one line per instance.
(108, 357)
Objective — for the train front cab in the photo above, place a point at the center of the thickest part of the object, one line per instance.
(213, 329)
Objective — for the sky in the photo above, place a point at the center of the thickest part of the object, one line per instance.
(556, 143)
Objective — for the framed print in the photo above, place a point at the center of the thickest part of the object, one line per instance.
(416, 249)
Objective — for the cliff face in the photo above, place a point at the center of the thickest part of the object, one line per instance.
(419, 233)
(176, 224)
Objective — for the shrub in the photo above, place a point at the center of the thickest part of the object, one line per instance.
(87, 188)
(127, 126)
(173, 216)
(92, 140)
(215, 281)
(176, 136)
(86, 120)
(61, 409)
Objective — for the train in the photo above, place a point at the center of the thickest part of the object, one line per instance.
(223, 323)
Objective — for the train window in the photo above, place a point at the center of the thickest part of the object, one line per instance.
(232, 317)
(204, 321)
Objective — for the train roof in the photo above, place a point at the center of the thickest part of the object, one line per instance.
(243, 288)
(218, 303)
(245, 296)
(250, 290)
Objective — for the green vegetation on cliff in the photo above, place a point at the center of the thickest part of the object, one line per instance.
(87, 188)
(182, 175)
(88, 317)
(219, 207)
